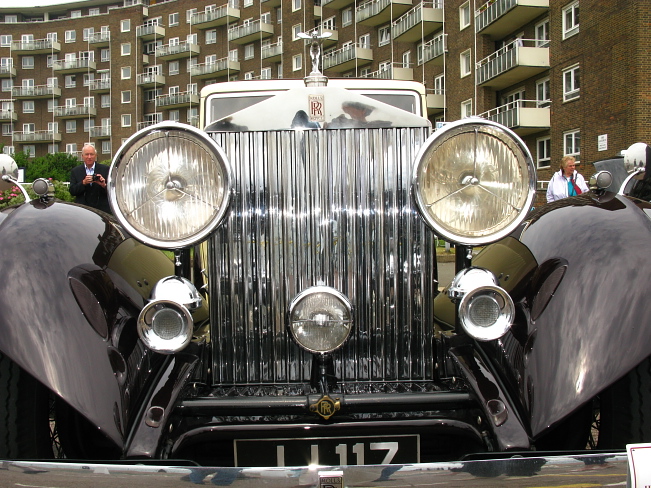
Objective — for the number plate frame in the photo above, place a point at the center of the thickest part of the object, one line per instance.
(330, 451)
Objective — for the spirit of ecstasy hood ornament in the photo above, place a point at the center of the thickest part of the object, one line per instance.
(315, 78)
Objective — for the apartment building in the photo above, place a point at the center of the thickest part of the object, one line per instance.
(98, 70)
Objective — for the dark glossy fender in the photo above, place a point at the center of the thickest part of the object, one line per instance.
(595, 327)
(98, 365)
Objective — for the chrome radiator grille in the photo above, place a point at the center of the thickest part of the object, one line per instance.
(328, 207)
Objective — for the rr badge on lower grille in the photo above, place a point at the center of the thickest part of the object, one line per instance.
(325, 407)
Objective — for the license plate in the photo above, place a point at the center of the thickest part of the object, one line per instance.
(328, 451)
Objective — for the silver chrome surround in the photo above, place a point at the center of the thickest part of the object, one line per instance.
(169, 185)
(474, 181)
(320, 319)
(600, 180)
(179, 290)
(165, 326)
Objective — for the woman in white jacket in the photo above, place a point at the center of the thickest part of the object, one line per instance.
(566, 182)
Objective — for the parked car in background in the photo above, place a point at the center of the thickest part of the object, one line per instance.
(267, 294)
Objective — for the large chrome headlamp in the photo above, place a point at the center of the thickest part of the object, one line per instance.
(474, 181)
(320, 319)
(169, 185)
(486, 311)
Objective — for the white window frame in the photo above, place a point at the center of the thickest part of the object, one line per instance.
(70, 36)
(364, 41)
(296, 29)
(346, 17)
(125, 96)
(125, 73)
(571, 83)
(466, 108)
(174, 67)
(125, 25)
(125, 49)
(125, 120)
(297, 62)
(28, 106)
(71, 127)
(173, 19)
(296, 5)
(249, 51)
(384, 35)
(572, 143)
(71, 148)
(570, 16)
(543, 152)
(465, 18)
(28, 62)
(543, 93)
(542, 33)
(465, 63)
(211, 36)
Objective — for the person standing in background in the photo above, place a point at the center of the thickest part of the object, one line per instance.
(88, 181)
(567, 182)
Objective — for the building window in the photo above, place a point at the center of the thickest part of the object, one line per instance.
(248, 75)
(28, 106)
(192, 88)
(125, 25)
(233, 55)
(406, 59)
(75, 14)
(543, 152)
(70, 81)
(7, 129)
(71, 127)
(296, 5)
(126, 120)
(543, 93)
(88, 78)
(248, 3)
(125, 49)
(346, 17)
(30, 149)
(106, 147)
(93, 11)
(105, 55)
(365, 41)
(297, 62)
(464, 16)
(384, 35)
(5, 40)
(571, 20)
(211, 36)
(174, 115)
(465, 62)
(571, 83)
(126, 72)
(71, 148)
(265, 74)
(173, 68)
(572, 143)
(189, 14)
(150, 95)
(29, 128)
(11, 19)
(126, 96)
(87, 33)
(88, 123)
(105, 101)
(28, 62)
(542, 34)
(173, 19)
(70, 36)
(52, 148)
(249, 51)
(466, 108)
(296, 30)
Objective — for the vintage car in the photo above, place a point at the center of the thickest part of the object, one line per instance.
(266, 294)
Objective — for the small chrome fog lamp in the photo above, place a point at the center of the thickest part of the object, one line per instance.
(43, 187)
(486, 310)
(320, 319)
(165, 324)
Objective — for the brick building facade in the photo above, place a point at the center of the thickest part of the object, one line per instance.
(98, 70)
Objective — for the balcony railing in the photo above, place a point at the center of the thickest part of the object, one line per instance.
(74, 66)
(8, 116)
(183, 49)
(100, 39)
(219, 16)
(346, 58)
(220, 67)
(100, 86)
(74, 111)
(7, 71)
(433, 50)
(37, 136)
(150, 32)
(100, 132)
(394, 72)
(512, 64)
(252, 31)
(497, 18)
(523, 116)
(435, 101)
(40, 91)
(147, 80)
(272, 52)
(422, 20)
(376, 12)
(177, 99)
(148, 123)
(41, 46)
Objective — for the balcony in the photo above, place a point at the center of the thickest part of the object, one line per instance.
(150, 32)
(397, 72)
(183, 49)
(432, 51)
(326, 42)
(252, 31)
(150, 80)
(271, 3)
(34, 92)
(8, 116)
(176, 100)
(524, 117)
(41, 46)
(337, 4)
(100, 132)
(377, 12)
(7, 71)
(74, 111)
(435, 100)
(193, 120)
(498, 18)
(272, 52)
(226, 14)
(215, 69)
(347, 58)
(100, 86)
(37, 136)
(512, 64)
(64, 67)
(99, 39)
(422, 20)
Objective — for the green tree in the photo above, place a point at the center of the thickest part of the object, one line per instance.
(55, 166)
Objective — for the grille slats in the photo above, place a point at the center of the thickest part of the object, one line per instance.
(326, 207)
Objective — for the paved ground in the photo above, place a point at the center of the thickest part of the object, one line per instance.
(446, 273)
